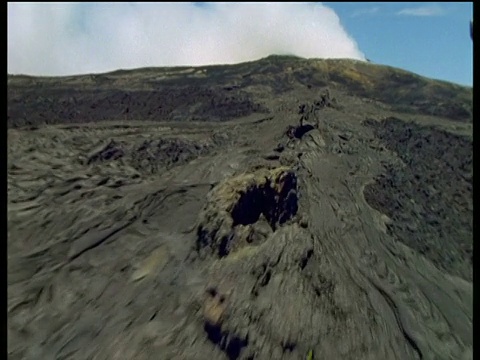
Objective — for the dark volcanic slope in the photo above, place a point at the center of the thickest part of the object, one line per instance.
(218, 93)
(256, 211)
(429, 197)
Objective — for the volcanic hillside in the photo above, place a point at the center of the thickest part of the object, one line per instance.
(283, 208)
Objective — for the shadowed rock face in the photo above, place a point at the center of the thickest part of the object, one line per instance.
(276, 201)
(265, 210)
(297, 132)
(234, 206)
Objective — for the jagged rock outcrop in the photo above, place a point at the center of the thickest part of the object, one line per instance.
(245, 208)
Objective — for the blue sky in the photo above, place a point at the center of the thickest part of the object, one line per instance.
(430, 39)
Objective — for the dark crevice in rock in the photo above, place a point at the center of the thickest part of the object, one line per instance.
(223, 248)
(277, 207)
(302, 130)
(288, 346)
(246, 208)
(214, 333)
(298, 131)
(231, 345)
(266, 278)
(212, 291)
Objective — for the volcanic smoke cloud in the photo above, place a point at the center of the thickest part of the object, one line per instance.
(76, 38)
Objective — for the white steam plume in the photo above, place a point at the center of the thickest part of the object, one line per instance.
(75, 38)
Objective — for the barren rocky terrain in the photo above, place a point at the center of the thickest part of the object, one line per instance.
(279, 209)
